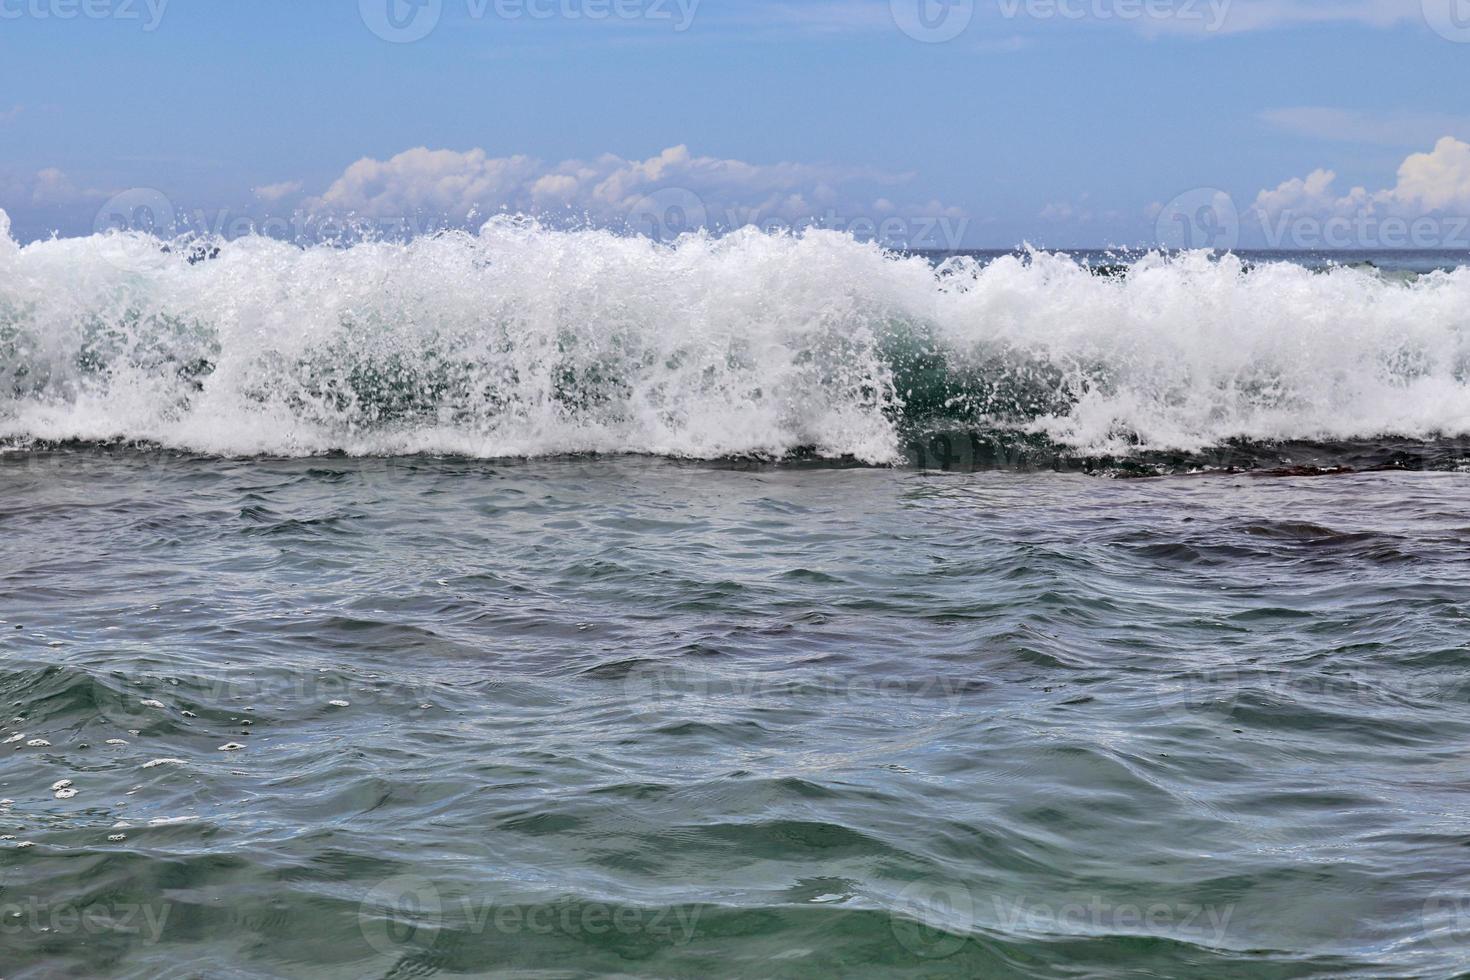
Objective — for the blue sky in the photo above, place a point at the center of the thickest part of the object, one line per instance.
(1069, 126)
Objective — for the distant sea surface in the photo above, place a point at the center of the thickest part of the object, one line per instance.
(1418, 261)
(552, 604)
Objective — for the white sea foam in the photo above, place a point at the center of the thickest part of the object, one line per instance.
(524, 341)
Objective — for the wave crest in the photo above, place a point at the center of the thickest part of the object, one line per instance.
(526, 341)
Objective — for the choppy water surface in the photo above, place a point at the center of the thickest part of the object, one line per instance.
(345, 717)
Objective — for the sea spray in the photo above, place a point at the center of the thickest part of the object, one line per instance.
(525, 341)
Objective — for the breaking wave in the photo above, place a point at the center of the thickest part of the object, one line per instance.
(525, 341)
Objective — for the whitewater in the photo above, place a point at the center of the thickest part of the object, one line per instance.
(524, 341)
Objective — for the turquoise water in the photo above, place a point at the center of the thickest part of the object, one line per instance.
(628, 716)
(369, 612)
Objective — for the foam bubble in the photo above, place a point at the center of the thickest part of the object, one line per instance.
(524, 341)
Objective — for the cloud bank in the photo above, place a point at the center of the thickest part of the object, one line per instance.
(662, 196)
(607, 188)
(1433, 182)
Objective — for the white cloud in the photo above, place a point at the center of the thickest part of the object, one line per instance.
(1312, 194)
(1437, 181)
(554, 188)
(730, 192)
(47, 187)
(419, 180)
(11, 114)
(51, 186)
(272, 193)
(1350, 126)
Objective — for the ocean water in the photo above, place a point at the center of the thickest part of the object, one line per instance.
(551, 604)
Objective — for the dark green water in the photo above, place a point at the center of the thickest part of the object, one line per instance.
(634, 717)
